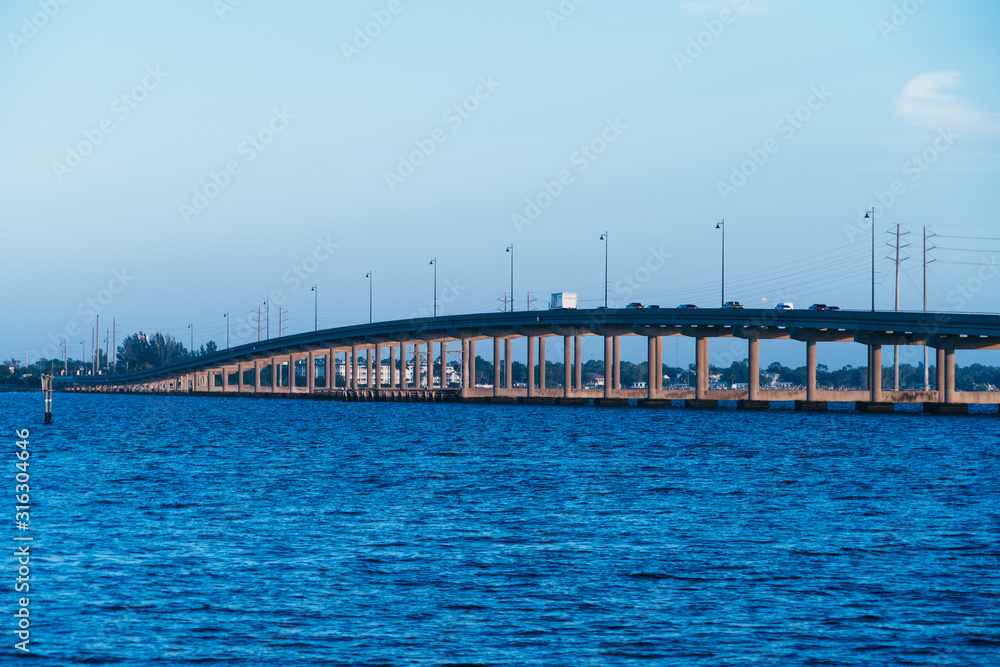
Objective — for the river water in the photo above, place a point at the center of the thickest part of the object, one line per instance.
(189, 531)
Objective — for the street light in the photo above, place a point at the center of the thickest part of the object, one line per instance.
(722, 225)
(267, 319)
(191, 327)
(370, 279)
(227, 329)
(315, 291)
(510, 249)
(870, 215)
(604, 237)
(435, 263)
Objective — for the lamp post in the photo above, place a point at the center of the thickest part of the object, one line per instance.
(870, 215)
(510, 249)
(722, 225)
(604, 237)
(191, 327)
(227, 329)
(369, 277)
(315, 291)
(435, 301)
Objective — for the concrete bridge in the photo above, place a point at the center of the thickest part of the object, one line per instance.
(426, 338)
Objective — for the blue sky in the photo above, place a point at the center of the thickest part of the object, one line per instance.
(167, 163)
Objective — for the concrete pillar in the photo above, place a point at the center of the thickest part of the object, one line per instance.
(496, 366)
(650, 366)
(609, 344)
(508, 361)
(949, 376)
(225, 380)
(392, 367)
(531, 365)
(472, 363)
(754, 379)
(369, 368)
(311, 373)
(811, 370)
(256, 375)
(567, 366)
(617, 362)
(353, 367)
(876, 388)
(939, 371)
(541, 361)
(701, 367)
(658, 366)
(578, 362)
(291, 374)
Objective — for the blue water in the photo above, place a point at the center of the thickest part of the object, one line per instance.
(238, 532)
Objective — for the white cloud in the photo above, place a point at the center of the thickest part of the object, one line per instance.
(925, 103)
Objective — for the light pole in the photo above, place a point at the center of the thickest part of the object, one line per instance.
(227, 330)
(369, 277)
(191, 327)
(435, 263)
(870, 215)
(315, 291)
(510, 249)
(267, 319)
(604, 237)
(722, 225)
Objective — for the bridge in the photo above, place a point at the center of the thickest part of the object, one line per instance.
(384, 343)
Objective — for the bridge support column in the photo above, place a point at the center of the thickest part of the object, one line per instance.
(701, 367)
(291, 373)
(617, 363)
(496, 366)
(949, 376)
(650, 366)
(753, 381)
(239, 378)
(811, 370)
(578, 362)
(508, 365)
(311, 373)
(225, 380)
(354, 368)
(392, 367)
(531, 365)
(472, 364)
(378, 367)
(658, 377)
(609, 358)
(876, 373)
(940, 373)
(567, 366)
(541, 361)
(369, 368)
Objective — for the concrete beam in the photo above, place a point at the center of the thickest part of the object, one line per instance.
(571, 330)
(652, 330)
(964, 342)
(613, 330)
(889, 338)
(500, 332)
(707, 331)
(761, 333)
(823, 335)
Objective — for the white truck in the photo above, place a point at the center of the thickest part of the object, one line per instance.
(562, 300)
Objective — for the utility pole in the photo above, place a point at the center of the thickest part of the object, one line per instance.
(191, 327)
(65, 359)
(114, 343)
(107, 341)
(370, 281)
(280, 310)
(258, 322)
(267, 313)
(926, 370)
(95, 346)
(895, 348)
(226, 315)
(510, 249)
(434, 262)
(315, 291)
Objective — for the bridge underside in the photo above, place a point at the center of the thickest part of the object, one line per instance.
(408, 366)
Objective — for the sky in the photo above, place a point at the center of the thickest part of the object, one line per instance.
(167, 163)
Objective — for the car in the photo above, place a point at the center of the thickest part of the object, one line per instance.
(785, 306)
(837, 308)
(687, 305)
(732, 304)
(819, 306)
(634, 304)
(653, 306)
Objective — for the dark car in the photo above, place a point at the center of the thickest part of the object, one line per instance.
(634, 304)
(819, 306)
(653, 306)
(687, 305)
(733, 304)
(834, 308)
